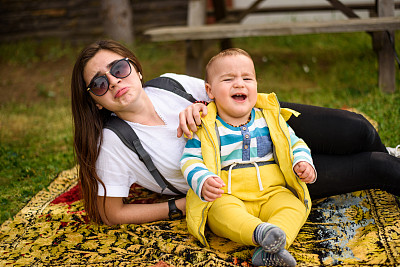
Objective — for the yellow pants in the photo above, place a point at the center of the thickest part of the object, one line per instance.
(236, 215)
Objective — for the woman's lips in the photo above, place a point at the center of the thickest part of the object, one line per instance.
(121, 92)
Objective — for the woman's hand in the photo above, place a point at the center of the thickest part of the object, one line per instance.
(189, 118)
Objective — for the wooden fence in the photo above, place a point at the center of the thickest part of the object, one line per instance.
(80, 20)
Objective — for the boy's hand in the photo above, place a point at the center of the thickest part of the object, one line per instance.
(189, 118)
(212, 188)
(305, 172)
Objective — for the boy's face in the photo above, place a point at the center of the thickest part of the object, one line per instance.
(232, 84)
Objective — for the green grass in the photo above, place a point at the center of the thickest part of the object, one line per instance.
(332, 70)
(35, 146)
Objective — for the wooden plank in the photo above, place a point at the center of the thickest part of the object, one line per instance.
(387, 69)
(253, 7)
(219, 31)
(304, 8)
(144, 6)
(196, 12)
(348, 12)
(194, 48)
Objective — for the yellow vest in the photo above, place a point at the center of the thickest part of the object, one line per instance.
(276, 117)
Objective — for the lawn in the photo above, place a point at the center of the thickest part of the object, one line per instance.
(331, 70)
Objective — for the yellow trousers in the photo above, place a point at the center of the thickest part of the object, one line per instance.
(235, 216)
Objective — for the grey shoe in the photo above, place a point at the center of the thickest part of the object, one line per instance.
(395, 152)
(282, 258)
(274, 240)
(270, 237)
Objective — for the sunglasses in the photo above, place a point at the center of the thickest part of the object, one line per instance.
(120, 69)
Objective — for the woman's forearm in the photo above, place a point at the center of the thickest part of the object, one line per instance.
(116, 212)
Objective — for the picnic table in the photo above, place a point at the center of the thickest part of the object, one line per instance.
(381, 25)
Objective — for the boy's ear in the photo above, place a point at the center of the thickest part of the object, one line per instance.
(209, 91)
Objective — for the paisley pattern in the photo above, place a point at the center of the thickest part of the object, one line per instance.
(361, 228)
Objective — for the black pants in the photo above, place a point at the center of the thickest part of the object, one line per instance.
(347, 151)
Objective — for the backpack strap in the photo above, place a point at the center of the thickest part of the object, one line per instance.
(172, 85)
(131, 140)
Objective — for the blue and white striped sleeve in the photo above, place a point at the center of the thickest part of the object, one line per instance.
(301, 152)
(192, 165)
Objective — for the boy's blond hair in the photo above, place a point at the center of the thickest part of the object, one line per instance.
(224, 53)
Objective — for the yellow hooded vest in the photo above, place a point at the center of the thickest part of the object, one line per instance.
(276, 117)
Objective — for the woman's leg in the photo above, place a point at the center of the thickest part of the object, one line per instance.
(334, 131)
(347, 151)
(338, 174)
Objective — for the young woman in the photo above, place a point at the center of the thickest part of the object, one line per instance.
(107, 81)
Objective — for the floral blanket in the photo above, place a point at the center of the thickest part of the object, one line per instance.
(357, 229)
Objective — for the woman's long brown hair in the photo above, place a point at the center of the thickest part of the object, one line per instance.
(89, 121)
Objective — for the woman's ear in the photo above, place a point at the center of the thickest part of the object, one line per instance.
(209, 91)
(99, 106)
(140, 75)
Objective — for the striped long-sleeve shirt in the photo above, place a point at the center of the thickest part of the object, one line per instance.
(245, 144)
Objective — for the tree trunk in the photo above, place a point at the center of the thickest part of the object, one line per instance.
(118, 20)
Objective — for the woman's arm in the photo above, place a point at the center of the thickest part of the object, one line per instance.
(114, 211)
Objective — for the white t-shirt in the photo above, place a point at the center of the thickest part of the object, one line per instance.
(119, 167)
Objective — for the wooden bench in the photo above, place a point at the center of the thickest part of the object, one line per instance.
(380, 29)
(220, 31)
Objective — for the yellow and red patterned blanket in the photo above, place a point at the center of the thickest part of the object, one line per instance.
(361, 228)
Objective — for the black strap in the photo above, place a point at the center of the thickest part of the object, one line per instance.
(131, 140)
(169, 84)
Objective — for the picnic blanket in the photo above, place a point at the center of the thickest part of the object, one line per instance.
(356, 229)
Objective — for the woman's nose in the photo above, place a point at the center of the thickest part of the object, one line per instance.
(112, 79)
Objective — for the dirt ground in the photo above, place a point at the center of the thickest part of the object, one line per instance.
(34, 82)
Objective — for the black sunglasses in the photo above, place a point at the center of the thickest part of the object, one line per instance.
(120, 69)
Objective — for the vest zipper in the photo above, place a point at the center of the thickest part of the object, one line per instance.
(218, 173)
(291, 160)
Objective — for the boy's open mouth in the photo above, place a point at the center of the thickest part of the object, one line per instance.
(239, 97)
